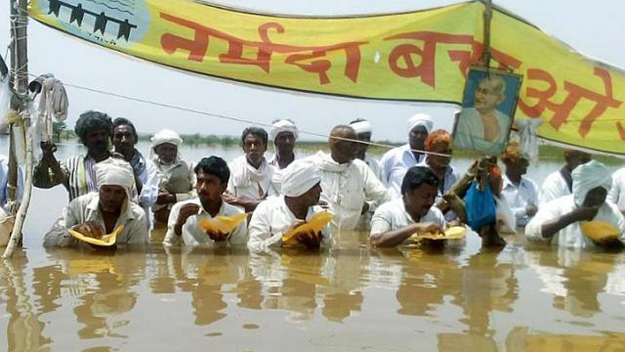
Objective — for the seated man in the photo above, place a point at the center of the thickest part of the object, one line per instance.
(102, 212)
(211, 175)
(279, 215)
(558, 221)
(400, 218)
(560, 183)
(251, 178)
(520, 193)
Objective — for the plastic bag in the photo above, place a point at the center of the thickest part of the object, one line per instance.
(480, 206)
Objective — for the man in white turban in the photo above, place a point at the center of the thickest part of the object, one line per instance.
(284, 136)
(397, 161)
(99, 213)
(298, 203)
(175, 176)
(560, 220)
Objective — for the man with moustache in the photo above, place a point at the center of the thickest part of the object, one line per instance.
(211, 175)
(77, 173)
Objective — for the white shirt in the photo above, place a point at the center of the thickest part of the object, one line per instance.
(346, 187)
(393, 216)
(192, 235)
(271, 219)
(571, 236)
(376, 168)
(395, 163)
(617, 193)
(249, 183)
(149, 193)
(86, 208)
(553, 188)
(520, 197)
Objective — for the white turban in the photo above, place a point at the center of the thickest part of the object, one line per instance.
(300, 176)
(166, 136)
(363, 126)
(115, 172)
(283, 125)
(587, 176)
(421, 120)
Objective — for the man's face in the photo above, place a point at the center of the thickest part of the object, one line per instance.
(595, 197)
(124, 139)
(417, 137)
(209, 187)
(97, 141)
(440, 161)
(576, 158)
(487, 96)
(311, 197)
(111, 198)
(361, 148)
(285, 142)
(420, 200)
(517, 166)
(166, 152)
(344, 151)
(254, 149)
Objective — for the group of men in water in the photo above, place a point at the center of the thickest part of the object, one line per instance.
(412, 190)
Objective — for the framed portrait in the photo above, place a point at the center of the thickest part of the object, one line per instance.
(488, 106)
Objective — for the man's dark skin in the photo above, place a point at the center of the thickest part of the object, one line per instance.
(417, 203)
(575, 158)
(254, 149)
(299, 207)
(586, 212)
(209, 190)
(416, 138)
(515, 168)
(112, 199)
(285, 143)
(361, 150)
(96, 142)
(124, 141)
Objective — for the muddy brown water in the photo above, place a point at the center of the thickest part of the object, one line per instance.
(352, 298)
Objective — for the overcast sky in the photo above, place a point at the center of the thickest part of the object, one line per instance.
(594, 28)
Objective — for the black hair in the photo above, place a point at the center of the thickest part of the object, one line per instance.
(215, 166)
(416, 176)
(122, 121)
(255, 131)
(356, 120)
(92, 121)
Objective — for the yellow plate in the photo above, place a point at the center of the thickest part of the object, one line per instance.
(105, 241)
(600, 231)
(452, 233)
(316, 223)
(223, 224)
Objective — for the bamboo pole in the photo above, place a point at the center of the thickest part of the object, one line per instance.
(488, 17)
(20, 81)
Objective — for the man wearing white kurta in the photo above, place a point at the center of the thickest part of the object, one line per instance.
(212, 176)
(397, 161)
(279, 215)
(559, 221)
(560, 183)
(105, 210)
(284, 136)
(400, 218)
(520, 193)
(250, 174)
(347, 183)
(617, 193)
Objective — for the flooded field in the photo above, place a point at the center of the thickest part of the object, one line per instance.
(352, 298)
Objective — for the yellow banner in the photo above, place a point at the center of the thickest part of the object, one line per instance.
(418, 56)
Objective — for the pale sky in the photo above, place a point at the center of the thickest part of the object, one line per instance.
(593, 28)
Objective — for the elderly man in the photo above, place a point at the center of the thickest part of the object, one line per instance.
(396, 161)
(395, 221)
(251, 177)
(284, 135)
(298, 203)
(520, 193)
(211, 175)
(560, 183)
(77, 173)
(483, 127)
(347, 183)
(175, 176)
(559, 221)
(102, 212)
(617, 193)
(364, 131)
(124, 140)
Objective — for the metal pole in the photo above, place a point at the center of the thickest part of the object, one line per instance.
(488, 17)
